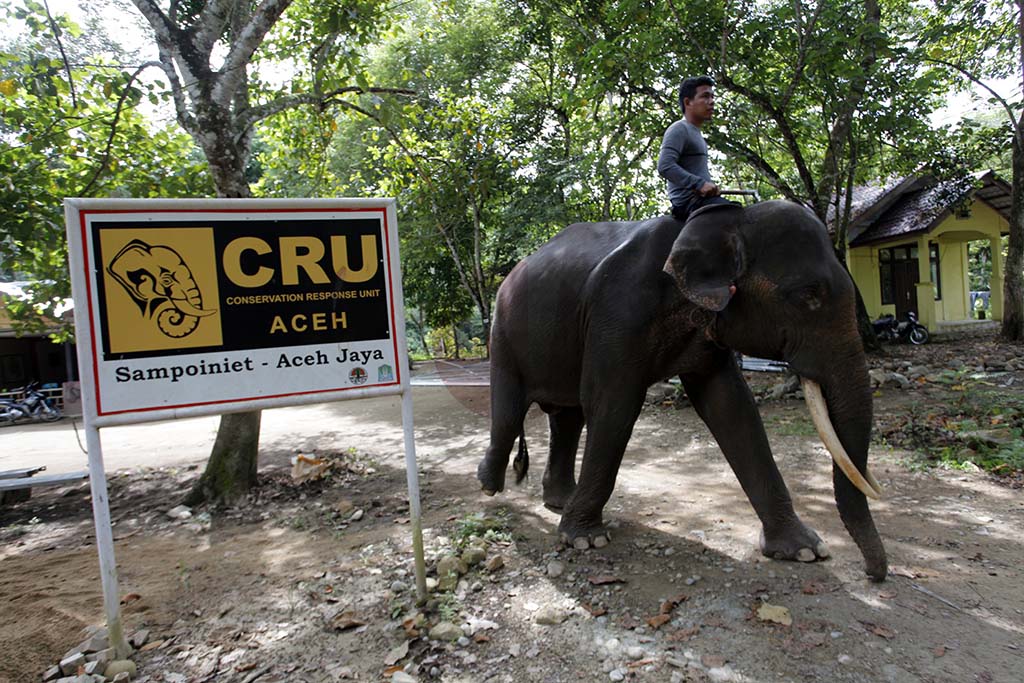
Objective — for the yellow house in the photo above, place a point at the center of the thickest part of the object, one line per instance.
(908, 245)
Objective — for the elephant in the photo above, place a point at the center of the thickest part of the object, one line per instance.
(587, 323)
(158, 280)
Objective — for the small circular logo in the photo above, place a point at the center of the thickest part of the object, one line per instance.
(357, 376)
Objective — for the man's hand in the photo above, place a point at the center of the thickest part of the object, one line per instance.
(708, 190)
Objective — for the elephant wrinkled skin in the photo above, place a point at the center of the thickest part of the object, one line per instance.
(604, 310)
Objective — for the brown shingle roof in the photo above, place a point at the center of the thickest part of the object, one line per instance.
(919, 203)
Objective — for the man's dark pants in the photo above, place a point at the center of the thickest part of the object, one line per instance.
(683, 211)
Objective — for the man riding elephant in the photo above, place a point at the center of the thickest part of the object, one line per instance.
(683, 160)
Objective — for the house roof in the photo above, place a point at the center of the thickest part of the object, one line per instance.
(918, 203)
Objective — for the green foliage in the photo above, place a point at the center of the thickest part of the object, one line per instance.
(76, 135)
(953, 434)
(491, 528)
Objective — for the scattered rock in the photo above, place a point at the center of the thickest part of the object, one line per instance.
(446, 631)
(550, 615)
(69, 665)
(119, 666)
(181, 512)
(494, 563)
(474, 555)
(555, 569)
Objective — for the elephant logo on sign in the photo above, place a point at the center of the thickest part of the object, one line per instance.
(158, 280)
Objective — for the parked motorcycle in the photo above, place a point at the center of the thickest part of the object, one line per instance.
(34, 405)
(889, 329)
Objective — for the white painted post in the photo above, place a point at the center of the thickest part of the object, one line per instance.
(412, 479)
(105, 542)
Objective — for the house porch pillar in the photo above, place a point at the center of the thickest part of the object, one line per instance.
(995, 282)
(925, 289)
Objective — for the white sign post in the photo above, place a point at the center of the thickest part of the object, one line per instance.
(200, 307)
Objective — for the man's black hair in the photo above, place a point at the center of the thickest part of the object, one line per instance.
(688, 88)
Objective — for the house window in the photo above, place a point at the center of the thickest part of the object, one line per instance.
(933, 260)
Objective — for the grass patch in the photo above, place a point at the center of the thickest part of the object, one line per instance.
(493, 528)
(979, 427)
(791, 426)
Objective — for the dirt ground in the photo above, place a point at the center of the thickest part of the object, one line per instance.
(314, 582)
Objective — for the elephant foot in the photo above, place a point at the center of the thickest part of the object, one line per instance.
(491, 478)
(794, 541)
(582, 538)
(556, 497)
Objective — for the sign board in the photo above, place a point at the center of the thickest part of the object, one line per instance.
(212, 306)
(207, 306)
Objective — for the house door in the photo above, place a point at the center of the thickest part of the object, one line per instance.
(904, 286)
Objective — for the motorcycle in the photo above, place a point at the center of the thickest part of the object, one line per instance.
(33, 406)
(889, 329)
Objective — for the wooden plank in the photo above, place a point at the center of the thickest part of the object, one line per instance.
(19, 473)
(43, 480)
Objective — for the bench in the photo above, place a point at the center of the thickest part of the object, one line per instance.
(16, 485)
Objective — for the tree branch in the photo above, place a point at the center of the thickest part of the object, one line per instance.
(212, 22)
(254, 114)
(245, 44)
(1018, 133)
(756, 161)
(105, 157)
(777, 115)
(63, 55)
(185, 119)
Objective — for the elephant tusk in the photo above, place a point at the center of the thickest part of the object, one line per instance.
(819, 415)
(188, 308)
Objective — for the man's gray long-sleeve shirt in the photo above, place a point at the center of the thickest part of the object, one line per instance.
(683, 162)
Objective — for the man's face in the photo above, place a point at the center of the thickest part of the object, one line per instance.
(702, 105)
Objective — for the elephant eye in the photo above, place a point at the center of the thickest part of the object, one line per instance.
(810, 296)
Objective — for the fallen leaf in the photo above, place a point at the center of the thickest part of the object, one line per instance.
(130, 598)
(594, 611)
(604, 580)
(481, 638)
(412, 626)
(152, 646)
(640, 663)
(880, 631)
(912, 572)
(397, 654)
(672, 603)
(683, 634)
(392, 670)
(306, 468)
(401, 520)
(774, 613)
(887, 595)
(940, 651)
(659, 621)
(345, 621)
(248, 666)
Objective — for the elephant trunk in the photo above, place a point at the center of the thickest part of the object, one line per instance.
(843, 419)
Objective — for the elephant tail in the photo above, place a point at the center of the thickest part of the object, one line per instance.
(521, 463)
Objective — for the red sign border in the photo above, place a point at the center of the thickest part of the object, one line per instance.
(85, 213)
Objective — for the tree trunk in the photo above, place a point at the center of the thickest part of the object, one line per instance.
(1013, 269)
(231, 470)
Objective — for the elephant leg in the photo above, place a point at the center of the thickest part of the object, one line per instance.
(565, 424)
(609, 422)
(508, 410)
(724, 402)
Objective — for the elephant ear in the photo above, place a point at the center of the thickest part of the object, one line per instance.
(708, 256)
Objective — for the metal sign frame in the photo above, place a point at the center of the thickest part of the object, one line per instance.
(82, 216)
